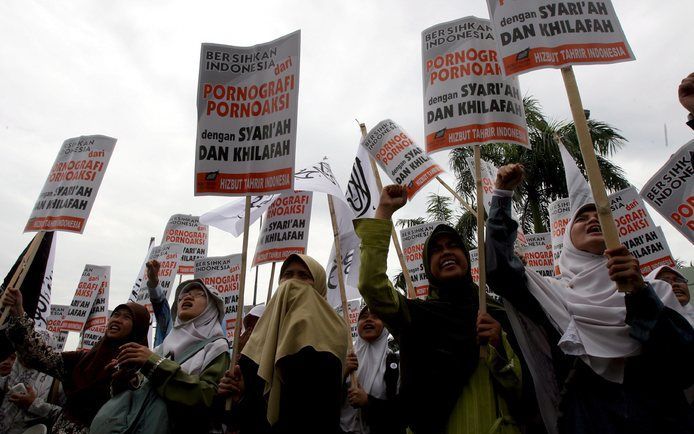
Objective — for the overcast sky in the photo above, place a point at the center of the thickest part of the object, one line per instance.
(129, 69)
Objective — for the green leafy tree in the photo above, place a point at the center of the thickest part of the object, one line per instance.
(544, 171)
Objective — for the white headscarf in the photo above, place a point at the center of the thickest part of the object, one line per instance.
(688, 308)
(204, 326)
(371, 372)
(583, 302)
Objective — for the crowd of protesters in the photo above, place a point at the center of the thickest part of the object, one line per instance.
(567, 354)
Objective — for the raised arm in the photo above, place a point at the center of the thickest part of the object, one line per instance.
(32, 349)
(505, 270)
(374, 285)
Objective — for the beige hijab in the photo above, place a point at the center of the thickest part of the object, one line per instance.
(298, 316)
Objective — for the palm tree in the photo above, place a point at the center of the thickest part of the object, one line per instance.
(544, 172)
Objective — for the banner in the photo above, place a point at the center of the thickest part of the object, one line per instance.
(488, 171)
(467, 99)
(68, 195)
(43, 307)
(362, 196)
(187, 232)
(412, 240)
(223, 273)
(404, 162)
(95, 327)
(230, 217)
(538, 254)
(536, 34)
(247, 112)
(638, 232)
(671, 191)
(54, 324)
(168, 256)
(559, 216)
(354, 307)
(91, 282)
(285, 229)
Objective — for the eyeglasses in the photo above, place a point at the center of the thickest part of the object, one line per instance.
(195, 293)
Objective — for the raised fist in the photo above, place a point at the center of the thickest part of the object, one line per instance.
(509, 176)
(393, 197)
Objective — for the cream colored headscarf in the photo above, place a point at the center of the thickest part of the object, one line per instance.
(298, 316)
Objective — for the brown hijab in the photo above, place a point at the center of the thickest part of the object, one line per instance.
(86, 382)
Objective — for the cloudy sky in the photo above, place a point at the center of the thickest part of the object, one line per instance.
(128, 69)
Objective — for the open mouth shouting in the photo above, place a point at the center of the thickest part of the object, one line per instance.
(594, 229)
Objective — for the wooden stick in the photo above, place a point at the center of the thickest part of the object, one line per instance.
(22, 269)
(480, 240)
(242, 287)
(597, 186)
(341, 280)
(269, 286)
(257, 267)
(393, 233)
(456, 195)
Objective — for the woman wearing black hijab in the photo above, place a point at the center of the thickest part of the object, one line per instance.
(445, 386)
(86, 375)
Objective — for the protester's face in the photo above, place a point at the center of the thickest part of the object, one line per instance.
(191, 303)
(297, 270)
(249, 322)
(679, 285)
(369, 327)
(6, 365)
(120, 325)
(586, 234)
(447, 258)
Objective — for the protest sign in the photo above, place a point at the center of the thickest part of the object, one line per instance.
(536, 34)
(285, 229)
(354, 308)
(54, 324)
(44, 302)
(413, 239)
(488, 172)
(538, 254)
(559, 216)
(671, 191)
(223, 273)
(95, 327)
(475, 266)
(168, 256)
(92, 280)
(247, 113)
(404, 162)
(638, 232)
(467, 99)
(230, 217)
(68, 195)
(187, 232)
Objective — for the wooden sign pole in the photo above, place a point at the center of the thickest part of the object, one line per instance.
(257, 267)
(239, 307)
(480, 240)
(393, 234)
(269, 286)
(21, 271)
(597, 186)
(341, 279)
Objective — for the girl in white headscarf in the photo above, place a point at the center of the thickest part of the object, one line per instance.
(600, 358)
(186, 368)
(371, 408)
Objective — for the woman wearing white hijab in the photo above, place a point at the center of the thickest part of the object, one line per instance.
(197, 341)
(599, 358)
(371, 408)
